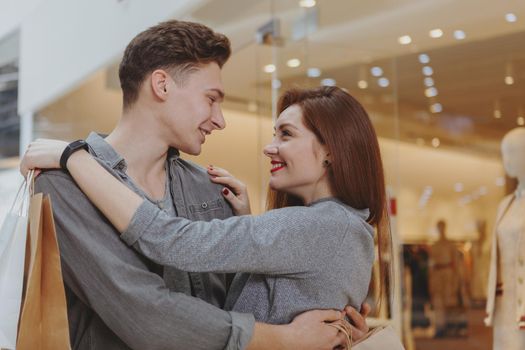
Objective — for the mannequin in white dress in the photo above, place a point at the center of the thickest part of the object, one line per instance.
(506, 290)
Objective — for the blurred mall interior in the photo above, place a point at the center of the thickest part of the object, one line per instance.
(442, 80)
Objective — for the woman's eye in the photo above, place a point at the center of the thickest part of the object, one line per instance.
(212, 99)
(285, 133)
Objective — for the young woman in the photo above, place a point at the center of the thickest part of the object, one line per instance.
(313, 250)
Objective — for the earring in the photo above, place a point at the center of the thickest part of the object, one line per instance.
(326, 163)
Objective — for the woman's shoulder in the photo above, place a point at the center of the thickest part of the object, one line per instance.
(336, 213)
(337, 208)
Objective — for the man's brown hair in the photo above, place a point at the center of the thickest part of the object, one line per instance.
(178, 47)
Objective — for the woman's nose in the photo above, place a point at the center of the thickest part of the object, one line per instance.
(270, 150)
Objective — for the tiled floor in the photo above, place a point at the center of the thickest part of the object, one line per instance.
(479, 337)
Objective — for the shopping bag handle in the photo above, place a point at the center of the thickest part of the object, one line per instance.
(23, 195)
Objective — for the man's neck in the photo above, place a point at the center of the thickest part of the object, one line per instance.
(144, 151)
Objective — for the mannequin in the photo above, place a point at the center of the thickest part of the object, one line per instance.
(506, 290)
(480, 253)
(443, 281)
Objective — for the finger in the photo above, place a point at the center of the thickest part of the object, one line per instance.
(23, 169)
(356, 318)
(328, 315)
(340, 341)
(365, 309)
(234, 184)
(230, 197)
(213, 170)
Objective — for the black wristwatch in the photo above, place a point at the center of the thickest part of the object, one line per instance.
(70, 149)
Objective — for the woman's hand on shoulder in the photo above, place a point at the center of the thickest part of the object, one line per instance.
(234, 190)
(42, 154)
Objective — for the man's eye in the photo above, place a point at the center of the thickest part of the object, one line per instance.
(212, 99)
(285, 133)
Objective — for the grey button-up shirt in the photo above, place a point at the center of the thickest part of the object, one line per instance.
(117, 299)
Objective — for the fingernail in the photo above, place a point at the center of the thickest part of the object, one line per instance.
(225, 191)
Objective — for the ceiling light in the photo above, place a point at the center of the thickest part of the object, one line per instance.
(436, 33)
(269, 68)
(509, 80)
(328, 82)
(520, 121)
(404, 40)
(376, 71)
(431, 92)
(293, 63)
(436, 108)
(362, 84)
(435, 142)
(383, 82)
(459, 35)
(458, 187)
(497, 110)
(313, 72)
(483, 191)
(511, 18)
(427, 70)
(509, 74)
(276, 84)
(423, 58)
(307, 3)
(429, 82)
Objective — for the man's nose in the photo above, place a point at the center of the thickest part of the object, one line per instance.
(218, 119)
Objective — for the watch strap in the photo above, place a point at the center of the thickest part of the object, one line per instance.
(70, 149)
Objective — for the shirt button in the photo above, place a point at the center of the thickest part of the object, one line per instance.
(520, 261)
(519, 301)
(204, 205)
(520, 280)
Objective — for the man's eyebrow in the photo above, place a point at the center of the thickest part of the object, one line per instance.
(219, 92)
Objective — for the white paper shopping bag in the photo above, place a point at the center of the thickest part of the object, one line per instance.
(13, 235)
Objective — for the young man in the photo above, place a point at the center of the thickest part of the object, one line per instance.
(171, 80)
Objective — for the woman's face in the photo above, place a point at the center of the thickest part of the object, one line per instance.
(297, 158)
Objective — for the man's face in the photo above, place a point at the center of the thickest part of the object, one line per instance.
(193, 109)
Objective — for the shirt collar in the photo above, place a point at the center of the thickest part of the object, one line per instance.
(105, 151)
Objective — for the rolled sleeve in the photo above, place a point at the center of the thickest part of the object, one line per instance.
(242, 331)
(143, 218)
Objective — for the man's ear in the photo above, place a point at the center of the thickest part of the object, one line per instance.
(160, 80)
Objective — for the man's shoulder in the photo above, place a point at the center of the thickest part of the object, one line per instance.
(53, 176)
(196, 173)
(192, 166)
